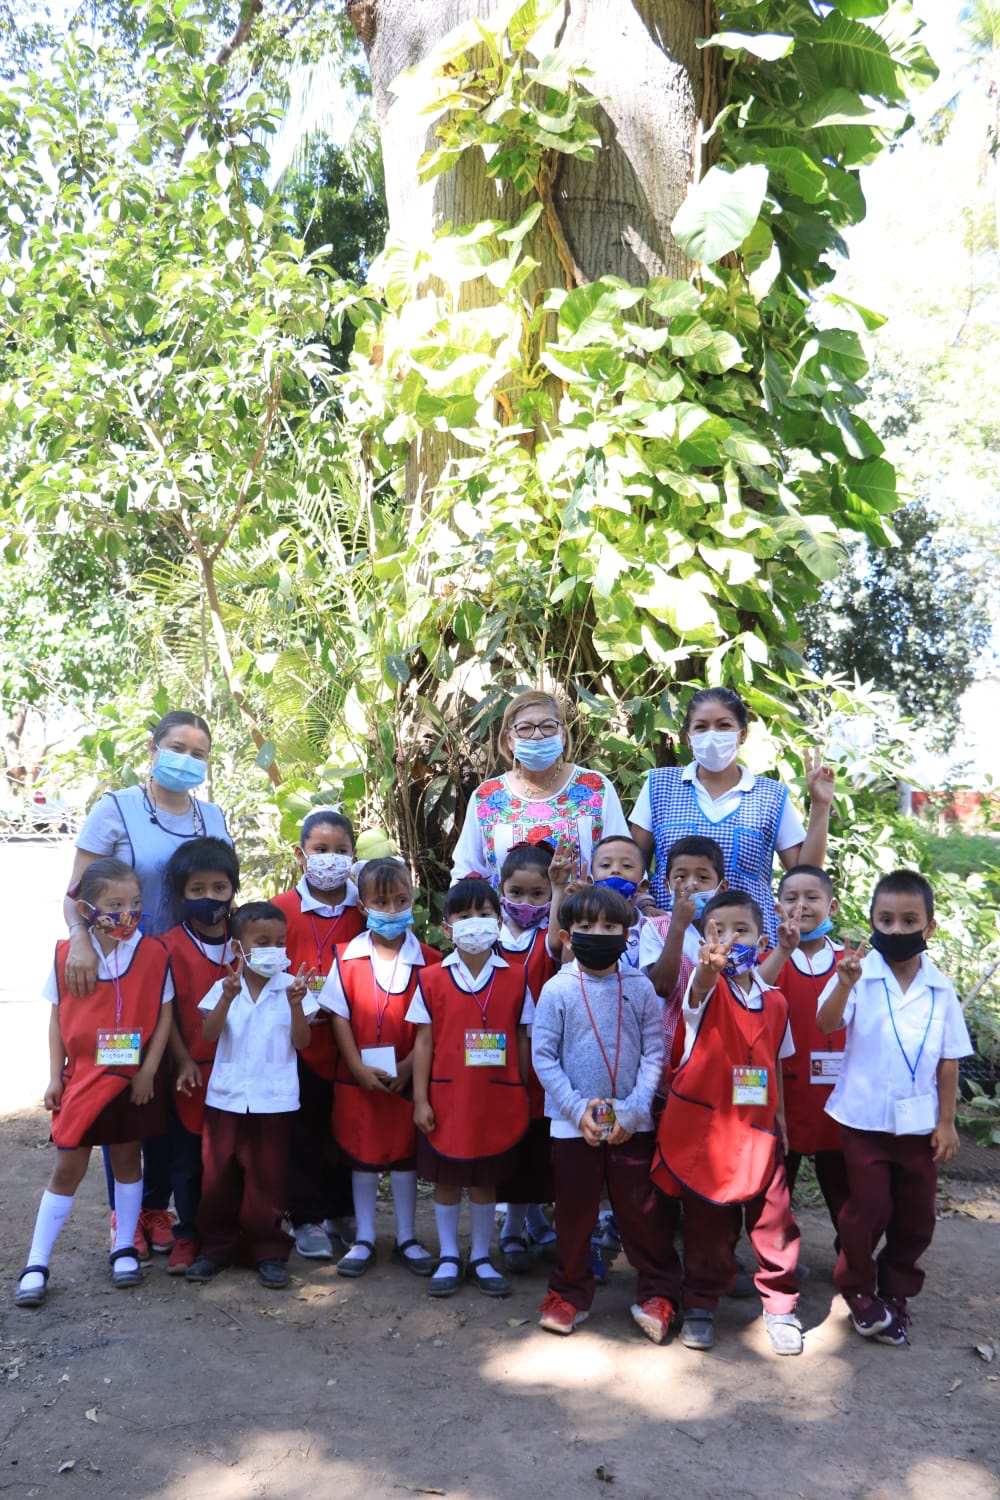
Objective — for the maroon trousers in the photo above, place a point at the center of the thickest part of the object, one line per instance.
(646, 1219)
(243, 1190)
(710, 1234)
(831, 1174)
(893, 1192)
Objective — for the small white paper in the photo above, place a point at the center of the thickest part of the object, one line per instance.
(383, 1058)
(916, 1115)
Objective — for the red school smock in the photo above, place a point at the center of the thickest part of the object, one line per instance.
(539, 966)
(810, 1128)
(479, 1112)
(375, 1129)
(194, 974)
(89, 1087)
(312, 940)
(705, 1144)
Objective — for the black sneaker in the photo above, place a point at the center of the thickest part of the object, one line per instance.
(869, 1315)
(273, 1274)
(203, 1269)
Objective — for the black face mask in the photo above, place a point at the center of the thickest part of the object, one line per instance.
(897, 947)
(598, 950)
(206, 910)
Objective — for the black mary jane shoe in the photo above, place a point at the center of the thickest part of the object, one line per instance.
(446, 1286)
(354, 1268)
(417, 1265)
(32, 1296)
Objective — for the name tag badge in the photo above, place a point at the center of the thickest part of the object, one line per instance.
(119, 1049)
(749, 1085)
(916, 1115)
(824, 1067)
(382, 1058)
(316, 983)
(485, 1049)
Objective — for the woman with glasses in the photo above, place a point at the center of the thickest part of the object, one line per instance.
(543, 797)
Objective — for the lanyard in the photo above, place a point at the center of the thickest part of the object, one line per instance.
(612, 1071)
(116, 986)
(812, 971)
(220, 963)
(484, 1005)
(321, 942)
(742, 1005)
(388, 992)
(911, 1067)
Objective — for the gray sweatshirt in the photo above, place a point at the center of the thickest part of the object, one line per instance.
(567, 1056)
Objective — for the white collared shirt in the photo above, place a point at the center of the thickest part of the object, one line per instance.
(255, 1070)
(753, 1000)
(323, 908)
(392, 975)
(791, 830)
(874, 1073)
(111, 966)
(419, 1015)
(651, 944)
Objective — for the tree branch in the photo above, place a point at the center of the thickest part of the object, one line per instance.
(544, 187)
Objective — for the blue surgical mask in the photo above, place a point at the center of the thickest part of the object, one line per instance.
(742, 957)
(821, 931)
(176, 772)
(701, 900)
(390, 924)
(626, 888)
(538, 755)
(266, 961)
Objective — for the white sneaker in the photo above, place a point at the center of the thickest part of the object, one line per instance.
(344, 1229)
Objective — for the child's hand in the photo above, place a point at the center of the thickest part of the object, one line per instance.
(780, 1122)
(619, 1135)
(713, 954)
(374, 1080)
(53, 1094)
(141, 1090)
(233, 979)
(849, 965)
(188, 1076)
(299, 986)
(820, 779)
(945, 1143)
(684, 905)
(562, 870)
(592, 1133)
(788, 935)
(404, 1073)
(423, 1119)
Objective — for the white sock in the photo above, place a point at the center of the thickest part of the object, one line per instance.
(51, 1216)
(446, 1216)
(128, 1205)
(537, 1221)
(513, 1224)
(365, 1188)
(404, 1206)
(481, 1216)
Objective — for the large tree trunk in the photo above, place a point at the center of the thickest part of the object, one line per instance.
(615, 211)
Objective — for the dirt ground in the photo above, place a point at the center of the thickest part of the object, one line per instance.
(370, 1389)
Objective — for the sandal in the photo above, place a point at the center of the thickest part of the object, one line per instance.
(516, 1258)
(32, 1296)
(419, 1265)
(446, 1286)
(490, 1286)
(125, 1278)
(354, 1268)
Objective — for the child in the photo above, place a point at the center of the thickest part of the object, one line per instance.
(201, 879)
(895, 1100)
(618, 863)
(322, 912)
(800, 965)
(526, 938)
(597, 1047)
(369, 990)
(719, 1145)
(258, 1014)
(469, 1066)
(104, 1050)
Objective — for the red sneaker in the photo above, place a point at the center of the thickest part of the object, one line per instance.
(558, 1315)
(139, 1239)
(654, 1317)
(158, 1225)
(183, 1253)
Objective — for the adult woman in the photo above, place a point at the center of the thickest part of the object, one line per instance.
(143, 825)
(751, 817)
(543, 796)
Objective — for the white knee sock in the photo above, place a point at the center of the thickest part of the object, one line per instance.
(365, 1188)
(404, 1206)
(447, 1216)
(513, 1224)
(128, 1205)
(51, 1216)
(481, 1215)
(537, 1222)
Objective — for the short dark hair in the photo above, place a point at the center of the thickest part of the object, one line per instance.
(470, 892)
(588, 902)
(813, 870)
(326, 815)
(98, 874)
(526, 856)
(723, 695)
(195, 856)
(254, 911)
(617, 838)
(905, 883)
(180, 718)
(696, 844)
(727, 899)
(379, 876)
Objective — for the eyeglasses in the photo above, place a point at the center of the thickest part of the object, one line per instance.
(537, 731)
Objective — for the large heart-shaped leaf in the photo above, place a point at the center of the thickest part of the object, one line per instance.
(720, 212)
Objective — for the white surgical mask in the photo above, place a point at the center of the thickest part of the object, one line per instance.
(327, 871)
(475, 934)
(267, 961)
(715, 749)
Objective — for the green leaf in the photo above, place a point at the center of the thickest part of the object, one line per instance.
(717, 215)
(769, 45)
(265, 756)
(397, 668)
(874, 482)
(801, 175)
